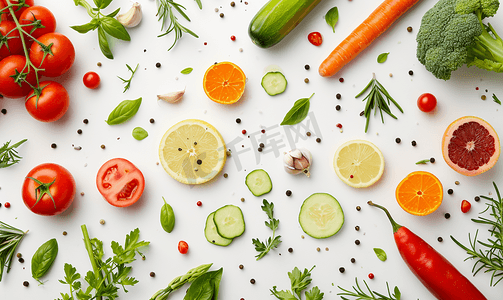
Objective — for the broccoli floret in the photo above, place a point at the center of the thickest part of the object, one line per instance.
(452, 34)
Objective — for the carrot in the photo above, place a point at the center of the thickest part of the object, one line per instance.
(378, 21)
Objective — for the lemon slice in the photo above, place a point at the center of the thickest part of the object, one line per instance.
(192, 151)
(358, 163)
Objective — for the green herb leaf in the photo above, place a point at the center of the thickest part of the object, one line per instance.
(282, 295)
(139, 133)
(124, 111)
(128, 81)
(166, 12)
(314, 294)
(332, 17)
(359, 293)
(8, 154)
(86, 27)
(382, 57)
(187, 70)
(273, 241)
(380, 254)
(103, 41)
(179, 281)
(298, 112)
(115, 28)
(9, 240)
(495, 99)
(422, 162)
(43, 258)
(205, 287)
(300, 280)
(167, 217)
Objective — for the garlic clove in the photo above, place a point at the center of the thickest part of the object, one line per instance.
(301, 164)
(288, 160)
(292, 171)
(172, 97)
(296, 153)
(132, 17)
(307, 154)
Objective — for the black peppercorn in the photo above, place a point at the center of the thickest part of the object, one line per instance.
(341, 269)
(233, 4)
(252, 281)
(238, 120)
(357, 228)
(414, 143)
(241, 267)
(103, 146)
(353, 260)
(158, 65)
(4, 111)
(86, 121)
(53, 145)
(358, 208)
(21, 260)
(409, 29)
(477, 198)
(79, 131)
(432, 160)
(308, 133)
(199, 161)
(450, 191)
(362, 113)
(226, 175)
(152, 120)
(288, 193)
(357, 242)
(152, 274)
(411, 72)
(398, 140)
(261, 145)
(26, 283)
(259, 149)
(307, 67)
(447, 215)
(440, 239)
(338, 96)
(221, 15)
(290, 250)
(337, 107)
(318, 140)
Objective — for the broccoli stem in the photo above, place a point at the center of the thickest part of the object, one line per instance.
(488, 45)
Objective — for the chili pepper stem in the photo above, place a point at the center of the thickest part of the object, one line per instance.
(395, 225)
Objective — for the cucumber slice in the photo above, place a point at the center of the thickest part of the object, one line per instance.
(274, 83)
(229, 221)
(258, 182)
(321, 216)
(211, 233)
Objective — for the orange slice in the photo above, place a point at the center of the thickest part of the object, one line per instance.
(420, 193)
(224, 82)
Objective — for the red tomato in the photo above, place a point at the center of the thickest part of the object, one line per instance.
(11, 43)
(120, 182)
(8, 86)
(183, 247)
(426, 102)
(52, 103)
(48, 189)
(45, 21)
(315, 38)
(465, 206)
(91, 80)
(18, 10)
(61, 59)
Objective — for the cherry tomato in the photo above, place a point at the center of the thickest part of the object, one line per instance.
(46, 22)
(465, 206)
(91, 80)
(18, 10)
(11, 43)
(426, 102)
(61, 59)
(183, 247)
(120, 182)
(48, 189)
(315, 38)
(52, 103)
(9, 66)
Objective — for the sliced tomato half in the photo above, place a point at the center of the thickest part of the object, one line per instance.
(120, 182)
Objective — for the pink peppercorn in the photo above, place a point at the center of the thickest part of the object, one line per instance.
(233, 38)
(371, 276)
(199, 203)
(243, 131)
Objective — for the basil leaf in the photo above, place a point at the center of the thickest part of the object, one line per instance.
(298, 112)
(98, 2)
(397, 293)
(86, 27)
(105, 49)
(43, 258)
(114, 13)
(187, 70)
(167, 217)
(115, 28)
(382, 57)
(104, 4)
(205, 287)
(216, 283)
(124, 111)
(332, 17)
(380, 254)
(139, 133)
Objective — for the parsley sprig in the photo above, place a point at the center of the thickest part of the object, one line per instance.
(128, 81)
(107, 275)
(166, 14)
(359, 293)
(378, 99)
(273, 241)
(299, 282)
(489, 255)
(8, 154)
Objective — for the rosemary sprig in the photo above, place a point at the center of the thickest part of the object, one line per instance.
(9, 239)
(8, 154)
(378, 98)
(489, 256)
(128, 81)
(165, 12)
(372, 295)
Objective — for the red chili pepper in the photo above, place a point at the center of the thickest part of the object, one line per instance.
(315, 38)
(465, 206)
(436, 273)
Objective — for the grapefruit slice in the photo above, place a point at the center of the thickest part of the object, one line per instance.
(470, 146)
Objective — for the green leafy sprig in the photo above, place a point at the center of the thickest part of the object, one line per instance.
(106, 25)
(9, 240)
(360, 294)
(378, 99)
(299, 282)
(128, 81)
(166, 14)
(9, 155)
(273, 241)
(495, 99)
(488, 254)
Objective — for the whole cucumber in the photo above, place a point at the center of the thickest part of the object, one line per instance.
(276, 19)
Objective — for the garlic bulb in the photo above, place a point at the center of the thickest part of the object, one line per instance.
(297, 161)
(132, 17)
(172, 97)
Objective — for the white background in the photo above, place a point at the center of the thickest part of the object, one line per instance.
(456, 97)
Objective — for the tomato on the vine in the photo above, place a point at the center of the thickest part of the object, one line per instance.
(10, 43)
(426, 102)
(10, 66)
(45, 22)
(315, 38)
(91, 80)
(48, 189)
(61, 59)
(183, 247)
(120, 182)
(51, 104)
(17, 10)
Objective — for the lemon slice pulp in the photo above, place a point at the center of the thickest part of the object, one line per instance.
(192, 151)
(358, 163)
